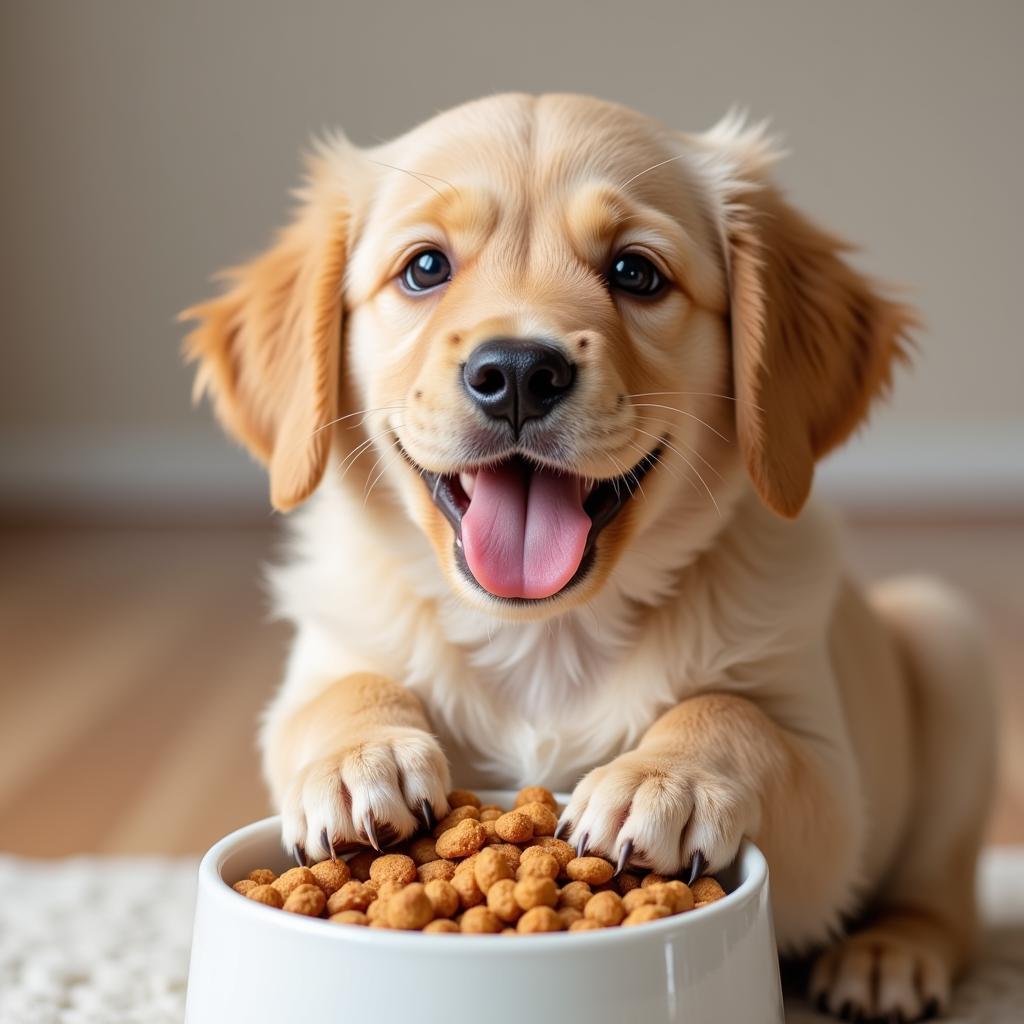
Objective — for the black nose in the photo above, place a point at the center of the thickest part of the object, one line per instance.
(517, 380)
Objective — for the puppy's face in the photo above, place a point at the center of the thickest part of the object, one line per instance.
(551, 322)
(536, 320)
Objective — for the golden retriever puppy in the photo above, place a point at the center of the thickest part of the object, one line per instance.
(550, 381)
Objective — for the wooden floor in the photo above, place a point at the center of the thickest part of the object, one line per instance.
(133, 664)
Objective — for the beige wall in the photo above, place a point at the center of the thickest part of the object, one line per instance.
(147, 144)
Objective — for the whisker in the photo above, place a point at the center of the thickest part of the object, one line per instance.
(414, 174)
(672, 447)
(349, 461)
(369, 489)
(689, 447)
(653, 167)
(359, 412)
(655, 458)
(682, 412)
(625, 471)
(694, 394)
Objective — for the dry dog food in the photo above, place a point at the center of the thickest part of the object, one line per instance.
(483, 870)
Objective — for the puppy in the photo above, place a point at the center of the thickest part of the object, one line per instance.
(550, 381)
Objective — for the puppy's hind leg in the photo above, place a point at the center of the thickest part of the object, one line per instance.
(920, 930)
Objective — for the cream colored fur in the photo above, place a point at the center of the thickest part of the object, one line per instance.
(717, 674)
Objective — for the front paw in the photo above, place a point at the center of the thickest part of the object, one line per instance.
(377, 790)
(659, 812)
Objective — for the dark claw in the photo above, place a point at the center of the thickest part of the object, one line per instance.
(429, 819)
(561, 828)
(931, 1009)
(846, 1011)
(371, 832)
(698, 865)
(624, 854)
(328, 844)
(300, 855)
(581, 846)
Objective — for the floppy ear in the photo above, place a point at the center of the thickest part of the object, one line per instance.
(269, 347)
(813, 340)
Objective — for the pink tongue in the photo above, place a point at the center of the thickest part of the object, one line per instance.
(524, 532)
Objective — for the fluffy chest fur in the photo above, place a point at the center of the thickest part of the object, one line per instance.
(514, 702)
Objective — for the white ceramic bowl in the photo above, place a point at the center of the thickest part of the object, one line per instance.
(257, 965)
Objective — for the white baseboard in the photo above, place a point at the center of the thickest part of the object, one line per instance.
(898, 469)
(974, 470)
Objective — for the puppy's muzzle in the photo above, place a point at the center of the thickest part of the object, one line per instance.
(517, 380)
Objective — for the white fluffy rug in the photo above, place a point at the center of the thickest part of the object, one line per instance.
(105, 941)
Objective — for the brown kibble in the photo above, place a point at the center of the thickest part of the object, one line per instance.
(480, 921)
(490, 867)
(389, 888)
(649, 912)
(484, 871)
(359, 865)
(443, 896)
(533, 892)
(593, 870)
(442, 926)
(410, 909)
(436, 869)
(450, 820)
(605, 908)
(464, 839)
(463, 798)
(349, 917)
(511, 853)
(543, 818)
(470, 894)
(351, 896)
(469, 864)
(638, 898)
(377, 910)
(539, 865)
(706, 890)
(569, 916)
(675, 895)
(539, 919)
(558, 848)
(422, 851)
(267, 895)
(627, 882)
(292, 879)
(501, 899)
(307, 900)
(514, 827)
(331, 875)
(575, 895)
(536, 795)
(393, 867)
(653, 879)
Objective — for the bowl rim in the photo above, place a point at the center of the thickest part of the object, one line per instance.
(223, 899)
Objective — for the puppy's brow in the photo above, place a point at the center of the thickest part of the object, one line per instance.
(419, 176)
(653, 167)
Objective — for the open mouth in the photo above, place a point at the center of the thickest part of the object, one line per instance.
(525, 531)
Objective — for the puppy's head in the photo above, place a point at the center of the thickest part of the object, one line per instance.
(544, 324)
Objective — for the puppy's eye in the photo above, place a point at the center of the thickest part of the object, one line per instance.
(635, 275)
(426, 270)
